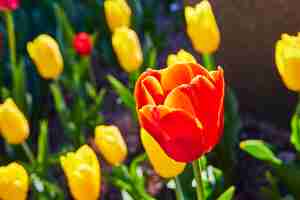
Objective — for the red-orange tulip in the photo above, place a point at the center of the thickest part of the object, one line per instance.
(182, 108)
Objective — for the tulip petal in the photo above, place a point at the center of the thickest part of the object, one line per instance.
(179, 100)
(175, 75)
(200, 70)
(152, 86)
(180, 135)
(163, 165)
(142, 96)
(207, 100)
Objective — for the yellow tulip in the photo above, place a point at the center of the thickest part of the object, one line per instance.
(117, 13)
(111, 144)
(287, 56)
(45, 53)
(127, 48)
(14, 126)
(202, 27)
(82, 170)
(14, 182)
(182, 56)
(163, 165)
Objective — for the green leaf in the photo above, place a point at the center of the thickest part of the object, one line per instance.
(150, 52)
(138, 14)
(295, 135)
(90, 90)
(260, 150)
(133, 169)
(64, 23)
(272, 191)
(93, 110)
(19, 86)
(228, 194)
(225, 156)
(123, 92)
(42, 145)
(289, 175)
(59, 102)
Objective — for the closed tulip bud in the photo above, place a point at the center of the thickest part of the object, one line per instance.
(287, 54)
(14, 182)
(127, 47)
(45, 53)
(82, 44)
(181, 57)
(9, 5)
(202, 27)
(163, 165)
(82, 170)
(13, 124)
(117, 13)
(111, 144)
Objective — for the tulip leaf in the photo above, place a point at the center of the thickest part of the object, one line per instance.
(59, 102)
(260, 150)
(64, 23)
(138, 14)
(226, 151)
(123, 92)
(42, 145)
(272, 191)
(295, 135)
(228, 194)
(150, 52)
(19, 86)
(289, 174)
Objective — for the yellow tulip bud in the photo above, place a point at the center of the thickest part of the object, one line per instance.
(127, 47)
(14, 182)
(45, 53)
(82, 170)
(163, 165)
(13, 124)
(117, 13)
(287, 56)
(181, 57)
(202, 27)
(111, 144)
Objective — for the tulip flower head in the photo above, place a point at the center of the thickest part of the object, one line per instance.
(287, 56)
(111, 144)
(181, 57)
(82, 44)
(14, 182)
(117, 13)
(202, 27)
(181, 107)
(45, 53)
(163, 165)
(127, 47)
(13, 124)
(82, 170)
(9, 5)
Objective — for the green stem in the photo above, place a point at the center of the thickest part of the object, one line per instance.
(179, 192)
(18, 82)
(28, 152)
(208, 61)
(197, 173)
(11, 37)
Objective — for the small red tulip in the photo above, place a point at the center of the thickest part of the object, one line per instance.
(82, 44)
(9, 5)
(181, 106)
